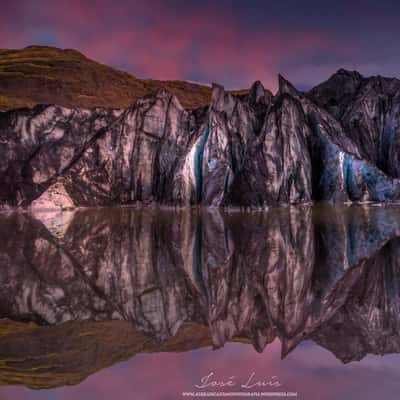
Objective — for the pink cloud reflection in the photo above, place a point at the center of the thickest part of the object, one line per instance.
(310, 370)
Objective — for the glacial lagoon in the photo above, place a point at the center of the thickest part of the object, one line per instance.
(159, 304)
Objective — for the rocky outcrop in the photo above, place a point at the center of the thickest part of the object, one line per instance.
(40, 146)
(336, 143)
(295, 273)
(369, 111)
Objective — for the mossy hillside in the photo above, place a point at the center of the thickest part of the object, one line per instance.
(47, 75)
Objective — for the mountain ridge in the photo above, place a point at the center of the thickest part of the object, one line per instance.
(49, 75)
(339, 142)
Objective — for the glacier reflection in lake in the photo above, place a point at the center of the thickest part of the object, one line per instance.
(86, 289)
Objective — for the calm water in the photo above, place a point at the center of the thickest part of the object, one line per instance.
(125, 303)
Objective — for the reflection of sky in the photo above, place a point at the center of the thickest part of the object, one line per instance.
(310, 370)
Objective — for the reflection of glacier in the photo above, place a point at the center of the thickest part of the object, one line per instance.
(325, 273)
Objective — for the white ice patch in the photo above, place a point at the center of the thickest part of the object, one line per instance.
(56, 134)
(56, 221)
(188, 171)
(55, 197)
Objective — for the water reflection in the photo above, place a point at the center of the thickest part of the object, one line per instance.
(181, 280)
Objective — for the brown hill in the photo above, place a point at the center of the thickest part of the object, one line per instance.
(48, 75)
(43, 357)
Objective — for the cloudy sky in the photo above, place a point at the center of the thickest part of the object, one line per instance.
(230, 42)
